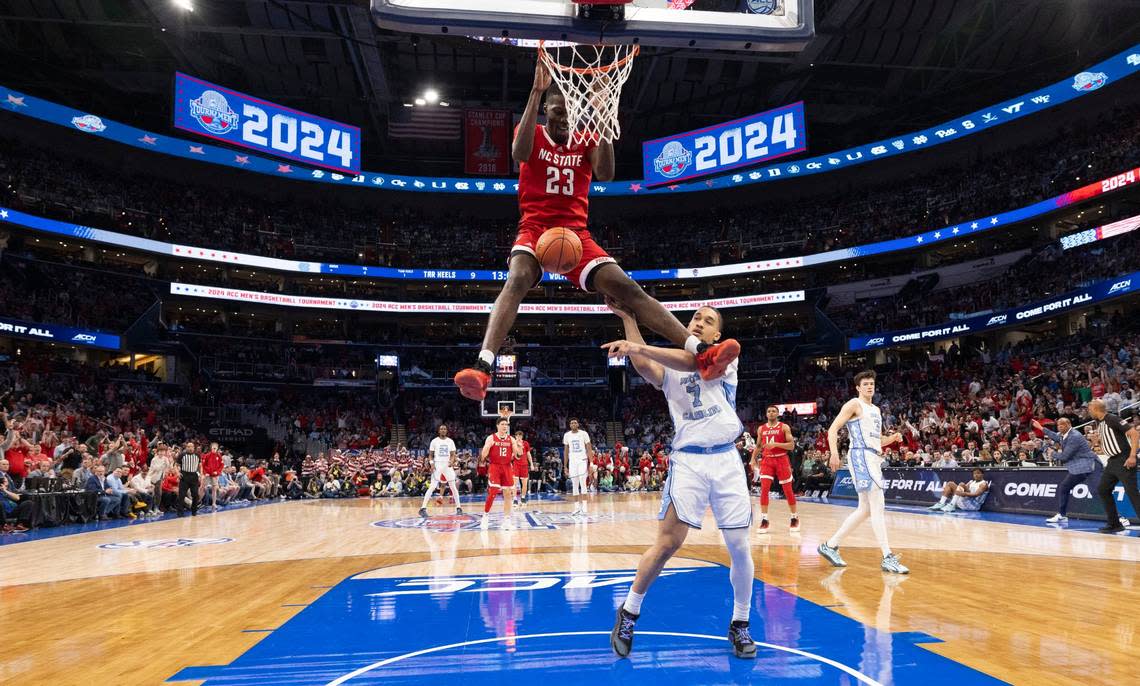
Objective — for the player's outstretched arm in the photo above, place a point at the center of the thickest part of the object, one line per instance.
(524, 134)
(647, 368)
(672, 358)
(602, 161)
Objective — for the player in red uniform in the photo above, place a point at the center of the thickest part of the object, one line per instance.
(554, 184)
(773, 441)
(521, 467)
(500, 449)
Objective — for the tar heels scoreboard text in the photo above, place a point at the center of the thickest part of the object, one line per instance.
(226, 115)
(734, 144)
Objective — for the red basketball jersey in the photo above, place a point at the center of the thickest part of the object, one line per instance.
(502, 450)
(526, 451)
(554, 184)
(768, 435)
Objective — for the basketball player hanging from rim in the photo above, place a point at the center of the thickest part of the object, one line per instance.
(554, 183)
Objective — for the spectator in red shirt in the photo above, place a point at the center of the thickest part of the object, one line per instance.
(212, 468)
(170, 490)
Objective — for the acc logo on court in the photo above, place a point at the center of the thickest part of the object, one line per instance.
(673, 160)
(526, 521)
(213, 112)
(164, 543)
(1089, 81)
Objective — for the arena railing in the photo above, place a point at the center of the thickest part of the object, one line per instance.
(1112, 70)
(966, 230)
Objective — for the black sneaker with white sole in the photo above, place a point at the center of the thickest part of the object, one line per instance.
(741, 638)
(423, 512)
(621, 638)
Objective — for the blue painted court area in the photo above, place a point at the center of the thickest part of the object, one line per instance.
(72, 529)
(553, 628)
(1083, 525)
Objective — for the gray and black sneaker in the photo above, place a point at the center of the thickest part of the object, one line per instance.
(831, 554)
(621, 638)
(742, 644)
(891, 564)
(423, 512)
(459, 510)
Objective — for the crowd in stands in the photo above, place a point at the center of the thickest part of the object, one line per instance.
(1044, 273)
(312, 228)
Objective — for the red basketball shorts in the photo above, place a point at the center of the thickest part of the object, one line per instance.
(593, 256)
(522, 468)
(776, 468)
(501, 476)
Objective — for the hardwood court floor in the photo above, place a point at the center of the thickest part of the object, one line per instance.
(140, 604)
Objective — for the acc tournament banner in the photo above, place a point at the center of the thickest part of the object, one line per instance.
(1011, 490)
(715, 149)
(1096, 292)
(53, 333)
(1097, 76)
(487, 142)
(213, 111)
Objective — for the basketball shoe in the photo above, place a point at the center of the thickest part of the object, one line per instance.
(795, 525)
(741, 638)
(621, 638)
(473, 381)
(763, 528)
(712, 360)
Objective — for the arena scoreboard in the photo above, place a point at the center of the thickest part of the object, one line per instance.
(213, 111)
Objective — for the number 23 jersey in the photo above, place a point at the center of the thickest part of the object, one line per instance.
(703, 412)
(554, 184)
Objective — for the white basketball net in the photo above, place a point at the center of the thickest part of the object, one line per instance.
(590, 78)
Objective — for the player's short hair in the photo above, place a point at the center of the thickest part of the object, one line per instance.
(866, 374)
(719, 316)
(574, 419)
(501, 420)
(518, 432)
(771, 407)
(554, 91)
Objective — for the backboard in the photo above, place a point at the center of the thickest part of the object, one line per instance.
(517, 400)
(756, 25)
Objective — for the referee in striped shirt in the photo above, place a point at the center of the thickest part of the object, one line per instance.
(190, 462)
(1119, 443)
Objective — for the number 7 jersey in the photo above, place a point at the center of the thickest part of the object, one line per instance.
(554, 184)
(703, 412)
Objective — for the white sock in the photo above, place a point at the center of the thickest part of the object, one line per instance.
(942, 500)
(691, 344)
(488, 357)
(585, 506)
(633, 602)
(740, 612)
(741, 571)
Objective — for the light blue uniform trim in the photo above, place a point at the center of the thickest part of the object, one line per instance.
(700, 450)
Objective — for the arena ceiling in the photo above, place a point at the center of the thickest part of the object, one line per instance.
(876, 67)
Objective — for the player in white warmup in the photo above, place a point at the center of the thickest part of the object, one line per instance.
(442, 451)
(705, 470)
(865, 460)
(579, 453)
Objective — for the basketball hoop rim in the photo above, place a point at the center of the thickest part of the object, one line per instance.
(550, 63)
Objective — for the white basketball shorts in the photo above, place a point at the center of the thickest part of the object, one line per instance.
(697, 482)
(447, 472)
(866, 469)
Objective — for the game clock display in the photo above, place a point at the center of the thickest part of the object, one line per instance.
(206, 109)
(715, 149)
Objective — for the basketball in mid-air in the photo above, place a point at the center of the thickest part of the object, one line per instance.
(559, 250)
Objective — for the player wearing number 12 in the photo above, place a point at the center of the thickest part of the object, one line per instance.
(554, 185)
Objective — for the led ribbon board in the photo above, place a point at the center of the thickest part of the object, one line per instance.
(213, 111)
(1097, 76)
(1083, 297)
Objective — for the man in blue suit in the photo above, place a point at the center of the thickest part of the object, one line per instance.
(108, 501)
(1076, 455)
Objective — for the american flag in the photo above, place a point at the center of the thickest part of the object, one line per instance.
(439, 123)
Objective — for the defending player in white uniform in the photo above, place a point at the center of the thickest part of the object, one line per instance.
(578, 452)
(442, 450)
(865, 459)
(705, 471)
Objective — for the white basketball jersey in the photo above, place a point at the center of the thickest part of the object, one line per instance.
(576, 445)
(441, 449)
(866, 432)
(704, 412)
